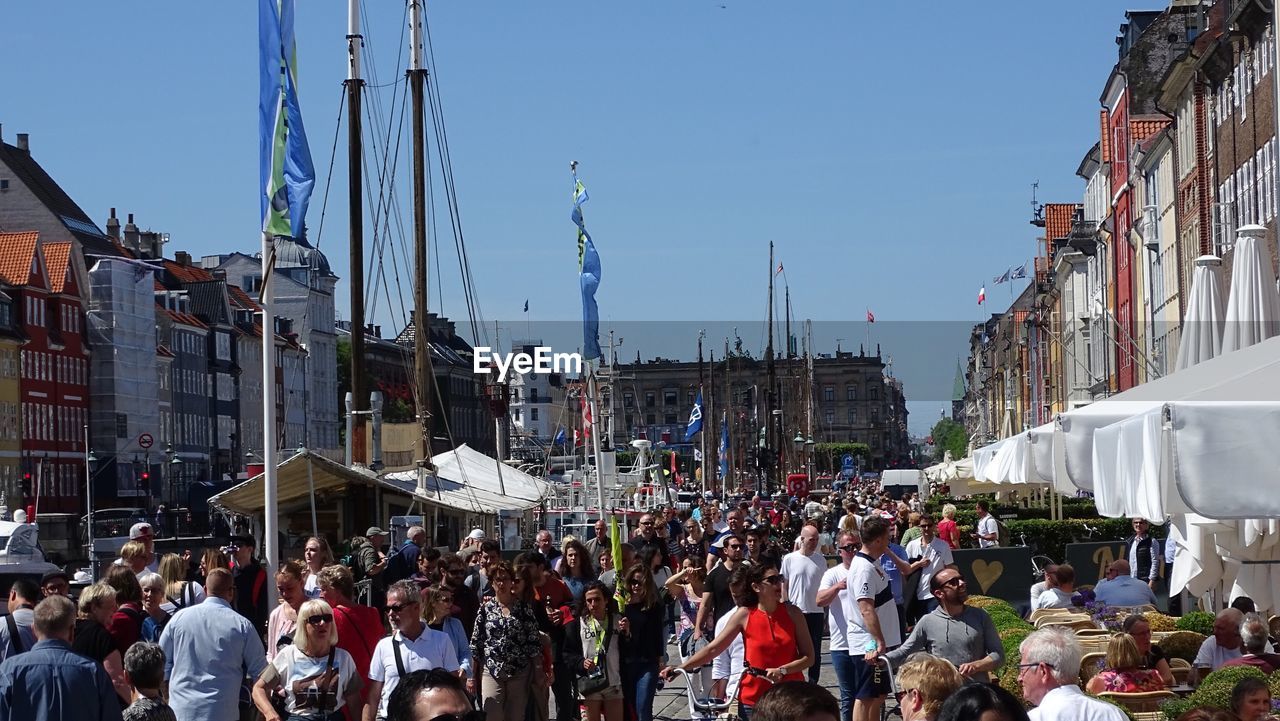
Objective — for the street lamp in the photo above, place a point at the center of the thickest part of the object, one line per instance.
(89, 461)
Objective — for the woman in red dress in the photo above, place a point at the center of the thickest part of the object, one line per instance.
(774, 634)
(947, 528)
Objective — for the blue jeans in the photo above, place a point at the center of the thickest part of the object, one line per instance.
(843, 667)
(639, 686)
(816, 622)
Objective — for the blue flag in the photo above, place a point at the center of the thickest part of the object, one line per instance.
(589, 277)
(1002, 278)
(1019, 272)
(285, 170)
(560, 439)
(724, 447)
(695, 419)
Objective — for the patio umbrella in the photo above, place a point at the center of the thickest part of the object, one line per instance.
(1253, 305)
(1202, 327)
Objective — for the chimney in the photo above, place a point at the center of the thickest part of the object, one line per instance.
(131, 234)
(113, 226)
(220, 274)
(181, 257)
(24, 142)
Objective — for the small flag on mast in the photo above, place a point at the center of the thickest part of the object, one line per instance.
(1019, 272)
(724, 446)
(526, 305)
(695, 419)
(871, 317)
(982, 295)
(1003, 277)
(779, 270)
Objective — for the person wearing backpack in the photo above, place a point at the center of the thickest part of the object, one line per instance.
(988, 534)
(404, 562)
(126, 623)
(250, 583)
(16, 634)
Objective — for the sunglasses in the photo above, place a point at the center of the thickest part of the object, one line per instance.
(734, 545)
(775, 579)
(319, 618)
(954, 582)
(398, 607)
(850, 547)
(636, 582)
(646, 523)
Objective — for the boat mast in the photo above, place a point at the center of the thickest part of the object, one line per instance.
(417, 77)
(702, 435)
(771, 399)
(355, 213)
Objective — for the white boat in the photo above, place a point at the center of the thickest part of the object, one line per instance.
(20, 553)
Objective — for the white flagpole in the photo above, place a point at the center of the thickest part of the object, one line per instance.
(270, 505)
(592, 391)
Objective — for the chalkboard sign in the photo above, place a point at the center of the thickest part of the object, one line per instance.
(1003, 572)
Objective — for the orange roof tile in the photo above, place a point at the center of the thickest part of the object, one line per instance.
(57, 256)
(187, 273)
(17, 251)
(1057, 220)
(242, 299)
(1105, 128)
(184, 318)
(1142, 128)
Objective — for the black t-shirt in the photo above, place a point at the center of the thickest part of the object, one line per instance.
(718, 585)
(92, 640)
(1154, 657)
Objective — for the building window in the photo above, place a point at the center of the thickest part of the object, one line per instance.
(669, 398)
(829, 416)
(851, 393)
(874, 393)
(829, 394)
(650, 419)
(533, 414)
(853, 416)
(628, 400)
(122, 425)
(670, 419)
(649, 399)
(533, 398)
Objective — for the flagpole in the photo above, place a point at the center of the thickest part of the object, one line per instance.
(270, 501)
(595, 438)
(702, 437)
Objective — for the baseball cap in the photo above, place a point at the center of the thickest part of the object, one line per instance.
(51, 575)
(140, 530)
(374, 531)
(476, 534)
(243, 540)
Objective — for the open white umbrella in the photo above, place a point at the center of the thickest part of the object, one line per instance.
(1253, 305)
(1202, 327)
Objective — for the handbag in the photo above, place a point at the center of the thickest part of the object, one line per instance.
(598, 680)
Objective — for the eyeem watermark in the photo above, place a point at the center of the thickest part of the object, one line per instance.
(541, 360)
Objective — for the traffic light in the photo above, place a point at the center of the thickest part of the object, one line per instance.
(26, 483)
(146, 480)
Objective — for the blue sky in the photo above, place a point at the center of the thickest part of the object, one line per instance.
(889, 154)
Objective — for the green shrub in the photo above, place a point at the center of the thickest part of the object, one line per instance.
(1182, 644)
(1214, 691)
(1199, 621)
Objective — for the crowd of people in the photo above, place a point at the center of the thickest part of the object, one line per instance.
(736, 597)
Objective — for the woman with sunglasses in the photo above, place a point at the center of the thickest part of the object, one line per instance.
(437, 612)
(642, 639)
(317, 677)
(687, 587)
(504, 645)
(694, 542)
(592, 648)
(775, 637)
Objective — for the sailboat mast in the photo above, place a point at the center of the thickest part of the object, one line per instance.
(702, 436)
(355, 213)
(770, 397)
(417, 76)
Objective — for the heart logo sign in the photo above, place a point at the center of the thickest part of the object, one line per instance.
(987, 573)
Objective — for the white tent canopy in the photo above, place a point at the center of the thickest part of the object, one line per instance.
(468, 480)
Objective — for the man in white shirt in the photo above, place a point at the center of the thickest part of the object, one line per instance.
(872, 618)
(936, 554)
(1049, 674)
(412, 647)
(1224, 645)
(803, 570)
(1060, 595)
(988, 530)
(832, 592)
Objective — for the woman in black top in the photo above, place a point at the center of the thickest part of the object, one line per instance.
(643, 637)
(92, 640)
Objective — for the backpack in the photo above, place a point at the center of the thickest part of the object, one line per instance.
(1002, 533)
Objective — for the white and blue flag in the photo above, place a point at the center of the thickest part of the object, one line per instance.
(695, 419)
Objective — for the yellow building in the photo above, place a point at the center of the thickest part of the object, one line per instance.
(10, 431)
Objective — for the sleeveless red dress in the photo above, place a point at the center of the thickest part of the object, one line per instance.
(769, 641)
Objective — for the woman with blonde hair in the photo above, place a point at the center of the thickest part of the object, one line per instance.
(96, 606)
(152, 598)
(643, 638)
(178, 591)
(947, 528)
(316, 554)
(1124, 672)
(317, 677)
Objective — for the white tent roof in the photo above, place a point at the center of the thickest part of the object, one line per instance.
(468, 480)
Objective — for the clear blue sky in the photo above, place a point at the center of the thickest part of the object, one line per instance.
(888, 152)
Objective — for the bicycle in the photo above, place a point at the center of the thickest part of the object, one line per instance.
(1039, 561)
(706, 708)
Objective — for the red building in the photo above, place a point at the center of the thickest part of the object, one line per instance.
(47, 281)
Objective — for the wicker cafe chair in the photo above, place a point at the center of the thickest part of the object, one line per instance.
(1145, 702)
(1040, 613)
(1181, 671)
(1090, 664)
(1062, 619)
(1077, 623)
(1095, 631)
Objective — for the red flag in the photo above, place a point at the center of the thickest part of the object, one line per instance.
(779, 270)
(871, 317)
(586, 415)
(982, 295)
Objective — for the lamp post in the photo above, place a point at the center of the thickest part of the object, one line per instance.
(808, 458)
(89, 460)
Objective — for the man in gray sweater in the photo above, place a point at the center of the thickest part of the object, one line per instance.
(963, 635)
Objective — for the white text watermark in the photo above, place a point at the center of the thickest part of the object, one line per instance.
(541, 360)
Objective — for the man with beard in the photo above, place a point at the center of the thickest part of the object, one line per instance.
(962, 634)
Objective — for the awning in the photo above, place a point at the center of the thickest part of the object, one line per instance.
(468, 480)
(293, 484)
